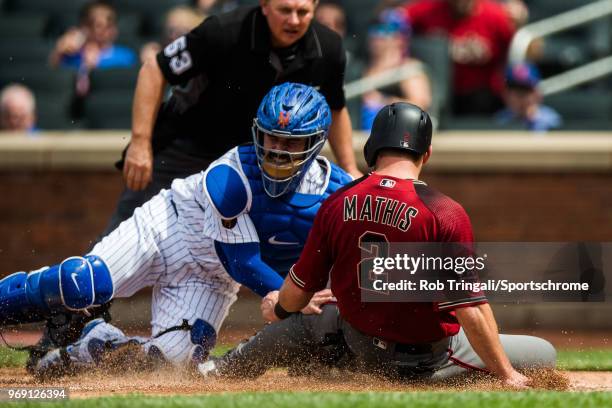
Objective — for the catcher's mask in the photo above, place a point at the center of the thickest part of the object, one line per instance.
(289, 131)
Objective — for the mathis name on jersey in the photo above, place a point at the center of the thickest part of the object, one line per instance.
(381, 210)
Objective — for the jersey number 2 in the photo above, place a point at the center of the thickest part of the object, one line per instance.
(372, 245)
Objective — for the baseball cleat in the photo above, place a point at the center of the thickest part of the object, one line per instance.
(210, 368)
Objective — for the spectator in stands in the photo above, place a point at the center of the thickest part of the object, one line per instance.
(479, 32)
(179, 20)
(331, 14)
(17, 109)
(91, 45)
(388, 44)
(524, 101)
(517, 10)
(215, 6)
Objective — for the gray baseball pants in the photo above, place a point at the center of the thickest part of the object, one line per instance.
(304, 342)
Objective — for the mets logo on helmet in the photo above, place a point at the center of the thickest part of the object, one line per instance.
(283, 119)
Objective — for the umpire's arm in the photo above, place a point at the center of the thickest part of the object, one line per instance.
(138, 167)
(341, 141)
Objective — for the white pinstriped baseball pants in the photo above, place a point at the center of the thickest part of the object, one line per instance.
(154, 249)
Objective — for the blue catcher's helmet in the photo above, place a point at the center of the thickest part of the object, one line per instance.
(295, 118)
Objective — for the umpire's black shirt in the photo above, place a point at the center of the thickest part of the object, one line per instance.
(223, 68)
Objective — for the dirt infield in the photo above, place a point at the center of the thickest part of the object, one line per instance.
(168, 382)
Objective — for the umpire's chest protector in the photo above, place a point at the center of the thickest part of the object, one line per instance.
(283, 223)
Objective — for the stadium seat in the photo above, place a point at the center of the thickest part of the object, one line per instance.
(109, 109)
(49, 7)
(587, 125)
(582, 105)
(38, 78)
(113, 79)
(150, 11)
(563, 53)
(53, 111)
(22, 26)
(129, 24)
(476, 123)
(540, 9)
(433, 52)
(359, 14)
(25, 51)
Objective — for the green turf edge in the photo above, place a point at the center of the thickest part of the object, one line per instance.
(12, 358)
(587, 360)
(349, 400)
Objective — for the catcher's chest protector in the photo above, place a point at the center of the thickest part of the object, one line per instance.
(283, 223)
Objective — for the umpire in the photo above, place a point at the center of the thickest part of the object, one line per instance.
(219, 73)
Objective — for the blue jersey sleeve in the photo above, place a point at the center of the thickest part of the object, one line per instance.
(244, 264)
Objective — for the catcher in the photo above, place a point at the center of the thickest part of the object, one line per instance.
(243, 221)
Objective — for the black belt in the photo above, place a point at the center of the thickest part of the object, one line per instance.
(412, 348)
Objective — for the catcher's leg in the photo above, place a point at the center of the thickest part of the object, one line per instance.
(99, 340)
(295, 341)
(76, 284)
(187, 316)
(122, 263)
(62, 329)
(59, 294)
(522, 351)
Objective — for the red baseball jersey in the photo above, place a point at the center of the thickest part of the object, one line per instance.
(396, 210)
(478, 43)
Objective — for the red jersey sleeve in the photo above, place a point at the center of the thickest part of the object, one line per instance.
(311, 271)
(454, 223)
(454, 226)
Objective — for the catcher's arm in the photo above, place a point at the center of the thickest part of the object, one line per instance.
(244, 264)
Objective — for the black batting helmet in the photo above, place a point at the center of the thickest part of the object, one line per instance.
(400, 126)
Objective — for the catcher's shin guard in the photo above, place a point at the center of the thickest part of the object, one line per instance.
(73, 285)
